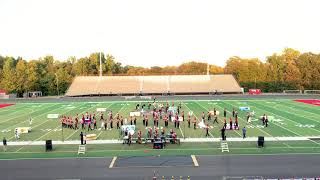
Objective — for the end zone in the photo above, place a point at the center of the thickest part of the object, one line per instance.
(5, 105)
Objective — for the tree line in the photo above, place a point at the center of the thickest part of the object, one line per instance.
(288, 70)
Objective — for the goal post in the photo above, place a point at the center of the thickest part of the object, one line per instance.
(292, 91)
(311, 91)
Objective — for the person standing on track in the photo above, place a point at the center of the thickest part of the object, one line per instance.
(225, 113)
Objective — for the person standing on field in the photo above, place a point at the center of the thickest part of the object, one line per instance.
(16, 134)
(81, 138)
(4, 141)
(244, 132)
(30, 121)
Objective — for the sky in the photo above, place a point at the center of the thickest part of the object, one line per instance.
(158, 32)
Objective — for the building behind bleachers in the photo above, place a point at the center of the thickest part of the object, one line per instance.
(135, 85)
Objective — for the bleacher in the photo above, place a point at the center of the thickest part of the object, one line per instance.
(118, 85)
(154, 84)
(133, 85)
(197, 84)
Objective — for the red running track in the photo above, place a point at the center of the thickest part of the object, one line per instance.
(315, 102)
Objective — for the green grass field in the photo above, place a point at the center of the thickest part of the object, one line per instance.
(287, 119)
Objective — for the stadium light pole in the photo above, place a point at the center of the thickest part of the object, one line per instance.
(57, 83)
(100, 65)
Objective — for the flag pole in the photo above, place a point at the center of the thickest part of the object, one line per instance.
(100, 65)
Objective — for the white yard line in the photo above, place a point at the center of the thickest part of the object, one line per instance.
(181, 131)
(219, 118)
(20, 108)
(284, 127)
(116, 112)
(290, 113)
(49, 131)
(33, 121)
(296, 123)
(80, 128)
(302, 105)
(23, 115)
(256, 128)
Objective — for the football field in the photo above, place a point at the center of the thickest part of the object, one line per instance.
(293, 126)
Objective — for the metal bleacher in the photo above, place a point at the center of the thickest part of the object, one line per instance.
(146, 85)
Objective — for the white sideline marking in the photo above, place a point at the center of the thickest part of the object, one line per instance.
(112, 162)
(195, 162)
(116, 141)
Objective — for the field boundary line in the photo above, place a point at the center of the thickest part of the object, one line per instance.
(113, 141)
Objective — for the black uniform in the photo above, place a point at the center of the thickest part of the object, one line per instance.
(81, 138)
(223, 135)
(215, 119)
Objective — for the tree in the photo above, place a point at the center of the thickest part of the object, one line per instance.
(110, 64)
(82, 67)
(8, 80)
(216, 69)
(21, 77)
(33, 76)
(192, 67)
